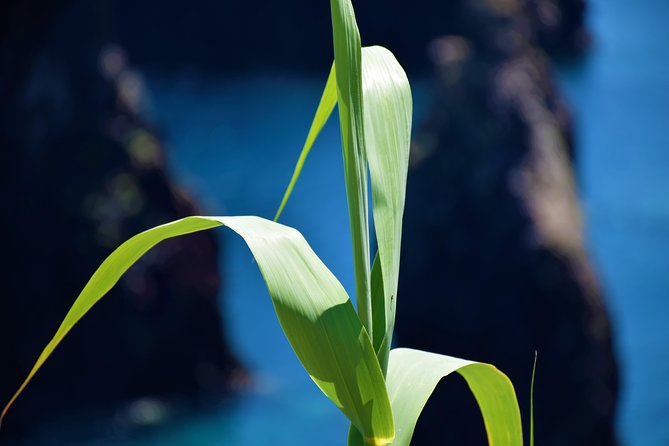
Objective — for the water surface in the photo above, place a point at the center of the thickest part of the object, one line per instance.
(620, 98)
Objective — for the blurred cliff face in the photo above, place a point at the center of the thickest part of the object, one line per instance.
(82, 172)
(493, 264)
(230, 35)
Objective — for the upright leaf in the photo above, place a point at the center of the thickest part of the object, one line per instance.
(315, 312)
(323, 112)
(387, 118)
(381, 346)
(534, 372)
(388, 112)
(348, 71)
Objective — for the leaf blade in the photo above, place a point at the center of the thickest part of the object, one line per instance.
(101, 281)
(534, 372)
(414, 374)
(315, 312)
(348, 69)
(323, 112)
(388, 118)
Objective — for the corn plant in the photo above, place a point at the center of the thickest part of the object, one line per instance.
(348, 354)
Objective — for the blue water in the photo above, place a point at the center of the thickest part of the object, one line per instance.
(233, 143)
(234, 147)
(621, 103)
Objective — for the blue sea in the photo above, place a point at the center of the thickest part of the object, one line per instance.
(620, 99)
(233, 143)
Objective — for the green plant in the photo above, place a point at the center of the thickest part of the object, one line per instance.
(347, 354)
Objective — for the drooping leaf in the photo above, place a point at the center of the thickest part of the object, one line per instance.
(388, 113)
(413, 376)
(315, 312)
(348, 69)
(323, 112)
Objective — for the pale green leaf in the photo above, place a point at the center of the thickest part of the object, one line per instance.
(379, 315)
(315, 312)
(388, 112)
(348, 69)
(323, 112)
(387, 108)
(534, 372)
(413, 376)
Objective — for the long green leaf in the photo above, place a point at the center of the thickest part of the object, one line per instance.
(379, 315)
(387, 116)
(315, 312)
(388, 110)
(323, 112)
(534, 372)
(348, 68)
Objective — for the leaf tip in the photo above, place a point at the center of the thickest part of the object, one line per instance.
(11, 402)
(2, 415)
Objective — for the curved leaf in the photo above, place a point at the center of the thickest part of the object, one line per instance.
(315, 312)
(413, 376)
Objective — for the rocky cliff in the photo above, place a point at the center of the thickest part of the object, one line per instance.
(493, 263)
(82, 171)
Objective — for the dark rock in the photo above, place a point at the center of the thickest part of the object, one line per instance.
(493, 263)
(560, 26)
(82, 172)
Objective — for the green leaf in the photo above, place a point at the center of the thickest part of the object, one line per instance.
(348, 69)
(315, 312)
(387, 118)
(379, 315)
(413, 376)
(323, 112)
(534, 372)
(388, 112)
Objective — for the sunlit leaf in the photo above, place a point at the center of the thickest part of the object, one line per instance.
(387, 116)
(388, 110)
(413, 376)
(315, 312)
(534, 372)
(348, 69)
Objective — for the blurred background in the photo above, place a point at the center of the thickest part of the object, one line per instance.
(537, 216)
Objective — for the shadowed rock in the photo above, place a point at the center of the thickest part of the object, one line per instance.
(233, 35)
(82, 172)
(493, 264)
